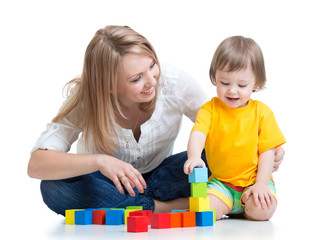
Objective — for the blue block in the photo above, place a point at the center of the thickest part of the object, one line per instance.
(83, 217)
(178, 210)
(198, 175)
(204, 218)
(114, 217)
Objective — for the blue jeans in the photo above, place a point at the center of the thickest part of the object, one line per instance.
(166, 182)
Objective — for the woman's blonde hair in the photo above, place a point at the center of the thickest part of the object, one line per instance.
(95, 98)
(235, 53)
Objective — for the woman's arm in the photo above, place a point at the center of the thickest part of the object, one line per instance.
(53, 165)
(279, 155)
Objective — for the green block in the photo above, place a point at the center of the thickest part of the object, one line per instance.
(199, 189)
(214, 215)
(135, 207)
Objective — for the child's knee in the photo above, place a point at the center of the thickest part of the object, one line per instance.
(220, 208)
(257, 213)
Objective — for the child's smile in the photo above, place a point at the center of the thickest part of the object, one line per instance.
(235, 88)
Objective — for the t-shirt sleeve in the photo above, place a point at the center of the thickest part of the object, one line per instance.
(203, 119)
(270, 135)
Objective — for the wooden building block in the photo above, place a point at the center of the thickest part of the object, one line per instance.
(188, 219)
(198, 175)
(114, 217)
(83, 217)
(198, 189)
(179, 210)
(214, 215)
(127, 212)
(199, 204)
(70, 216)
(176, 220)
(147, 213)
(98, 217)
(135, 207)
(204, 218)
(137, 224)
(160, 220)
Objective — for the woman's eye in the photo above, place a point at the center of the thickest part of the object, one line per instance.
(137, 78)
(224, 83)
(153, 64)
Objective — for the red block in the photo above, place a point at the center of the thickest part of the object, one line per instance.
(137, 224)
(160, 220)
(176, 220)
(98, 217)
(147, 213)
(188, 219)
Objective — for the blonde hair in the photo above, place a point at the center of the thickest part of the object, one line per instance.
(234, 54)
(95, 98)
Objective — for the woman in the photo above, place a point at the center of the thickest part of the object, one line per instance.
(128, 111)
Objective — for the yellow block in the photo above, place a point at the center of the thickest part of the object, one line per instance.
(70, 216)
(127, 211)
(199, 204)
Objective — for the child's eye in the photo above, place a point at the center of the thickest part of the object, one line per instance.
(242, 86)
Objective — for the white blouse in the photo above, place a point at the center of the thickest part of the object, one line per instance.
(178, 95)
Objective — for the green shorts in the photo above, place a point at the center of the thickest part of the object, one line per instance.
(231, 195)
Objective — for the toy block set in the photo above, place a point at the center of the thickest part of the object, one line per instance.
(138, 220)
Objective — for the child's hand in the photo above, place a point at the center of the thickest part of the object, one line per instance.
(191, 163)
(261, 194)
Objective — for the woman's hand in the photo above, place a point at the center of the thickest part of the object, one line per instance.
(279, 155)
(191, 163)
(121, 173)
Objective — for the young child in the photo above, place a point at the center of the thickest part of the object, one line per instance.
(239, 134)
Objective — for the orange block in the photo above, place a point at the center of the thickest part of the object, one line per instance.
(176, 220)
(188, 219)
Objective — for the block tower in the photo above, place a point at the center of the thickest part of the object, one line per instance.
(199, 201)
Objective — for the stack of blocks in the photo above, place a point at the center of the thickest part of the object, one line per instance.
(137, 219)
(199, 201)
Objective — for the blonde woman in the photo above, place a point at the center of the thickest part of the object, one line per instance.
(126, 110)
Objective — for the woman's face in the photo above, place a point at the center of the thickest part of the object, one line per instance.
(137, 78)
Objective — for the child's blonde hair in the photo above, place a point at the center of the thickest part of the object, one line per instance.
(234, 54)
(95, 99)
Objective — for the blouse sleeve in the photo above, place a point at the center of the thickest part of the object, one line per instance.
(193, 95)
(58, 136)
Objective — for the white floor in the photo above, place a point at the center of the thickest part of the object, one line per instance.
(39, 223)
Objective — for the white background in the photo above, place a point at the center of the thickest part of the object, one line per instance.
(42, 48)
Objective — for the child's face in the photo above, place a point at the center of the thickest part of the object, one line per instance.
(235, 88)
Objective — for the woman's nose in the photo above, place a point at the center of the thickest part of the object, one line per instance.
(151, 79)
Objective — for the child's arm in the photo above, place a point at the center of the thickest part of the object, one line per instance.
(195, 147)
(260, 189)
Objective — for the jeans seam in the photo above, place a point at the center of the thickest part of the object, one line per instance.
(60, 190)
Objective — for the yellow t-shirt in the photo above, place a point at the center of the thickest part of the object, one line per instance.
(236, 137)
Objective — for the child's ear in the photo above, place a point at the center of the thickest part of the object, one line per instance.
(255, 88)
